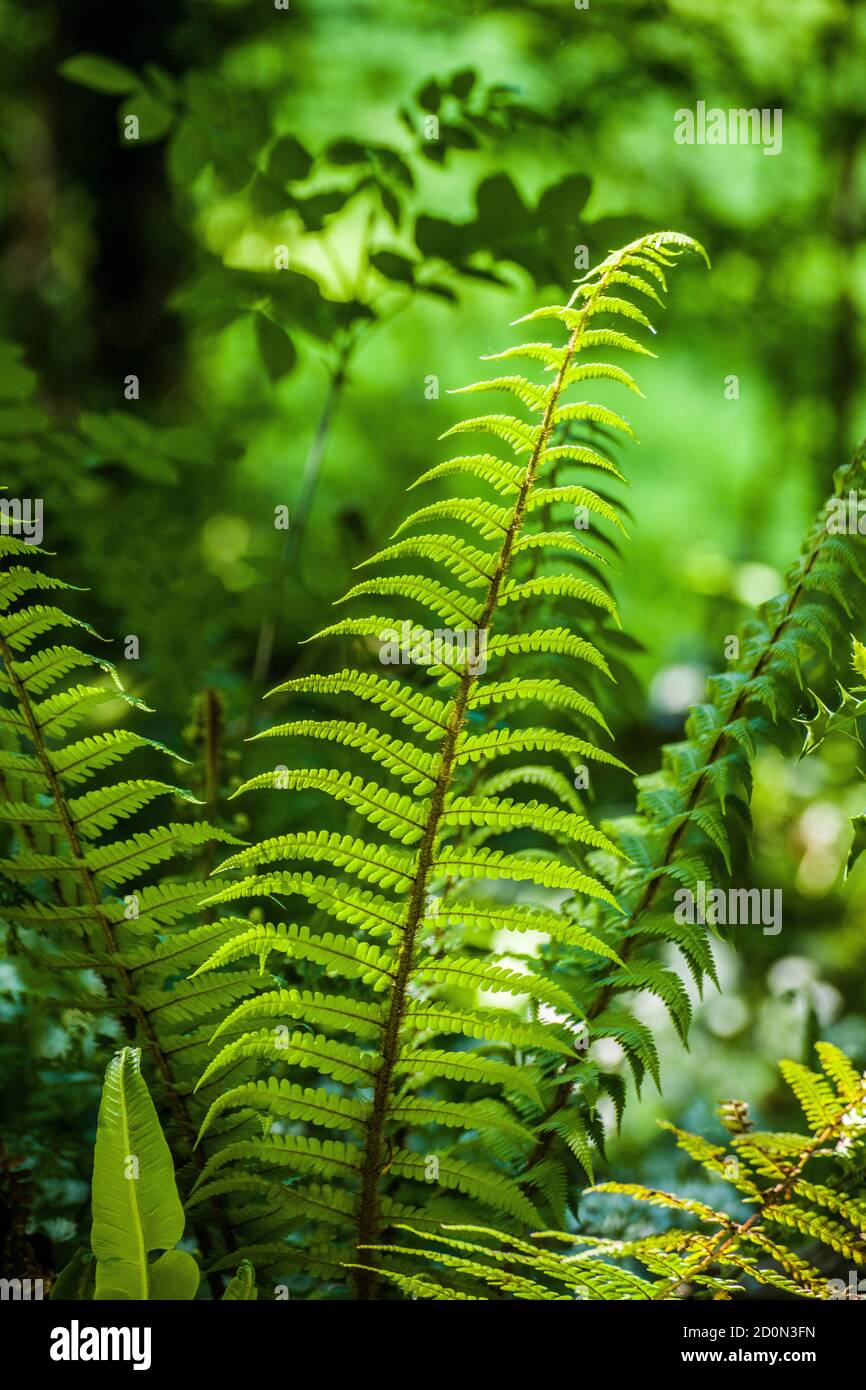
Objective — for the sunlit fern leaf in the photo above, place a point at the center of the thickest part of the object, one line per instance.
(842, 1073)
(465, 561)
(503, 476)
(430, 984)
(815, 1094)
(720, 1249)
(406, 760)
(374, 863)
(344, 902)
(421, 712)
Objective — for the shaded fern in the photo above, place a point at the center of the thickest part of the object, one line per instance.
(690, 817)
(92, 911)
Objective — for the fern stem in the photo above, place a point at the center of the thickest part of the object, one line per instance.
(480, 769)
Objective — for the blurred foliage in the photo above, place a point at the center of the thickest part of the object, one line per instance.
(422, 172)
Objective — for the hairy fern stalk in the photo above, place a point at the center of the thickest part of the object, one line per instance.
(416, 1015)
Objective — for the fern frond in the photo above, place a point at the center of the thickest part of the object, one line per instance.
(681, 1261)
(423, 976)
(121, 956)
(691, 810)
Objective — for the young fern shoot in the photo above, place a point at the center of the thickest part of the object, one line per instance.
(410, 988)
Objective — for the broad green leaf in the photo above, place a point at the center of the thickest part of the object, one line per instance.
(174, 1276)
(276, 348)
(136, 1207)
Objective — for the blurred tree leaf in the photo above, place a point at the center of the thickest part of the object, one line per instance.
(394, 166)
(152, 454)
(448, 241)
(154, 117)
(439, 291)
(99, 74)
(316, 208)
(234, 169)
(560, 205)
(393, 266)
(289, 161)
(189, 151)
(160, 83)
(455, 137)
(482, 273)
(17, 380)
(204, 96)
(276, 348)
(390, 203)
(858, 844)
(462, 82)
(430, 96)
(267, 196)
(500, 210)
(296, 299)
(21, 419)
(346, 152)
(541, 240)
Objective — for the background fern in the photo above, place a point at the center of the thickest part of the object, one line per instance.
(91, 912)
(692, 822)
